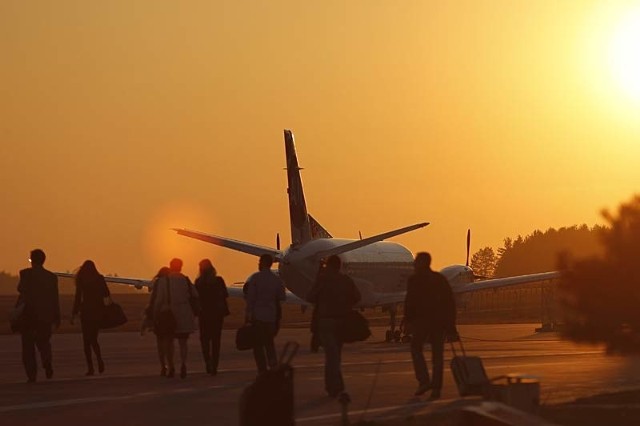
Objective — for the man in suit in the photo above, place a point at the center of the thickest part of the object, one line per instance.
(38, 290)
(430, 313)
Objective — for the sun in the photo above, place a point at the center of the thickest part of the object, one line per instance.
(624, 54)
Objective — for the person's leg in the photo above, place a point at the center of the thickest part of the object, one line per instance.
(269, 345)
(419, 363)
(205, 338)
(43, 343)
(95, 329)
(333, 381)
(436, 339)
(29, 354)
(161, 354)
(216, 335)
(258, 347)
(182, 342)
(168, 342)
(86, 343)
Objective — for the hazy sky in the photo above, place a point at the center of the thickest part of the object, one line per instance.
(122, 119)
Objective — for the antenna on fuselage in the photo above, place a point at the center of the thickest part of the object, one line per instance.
(360, 233)
(278, 241)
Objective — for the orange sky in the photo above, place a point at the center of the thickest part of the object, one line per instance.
(121, 119)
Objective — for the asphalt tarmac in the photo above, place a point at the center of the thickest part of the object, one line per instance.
(379, 378)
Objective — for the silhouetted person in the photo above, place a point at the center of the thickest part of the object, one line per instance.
(334, 295)
(430, 313)
(91, 291)
(213, 294)
(181, 292)
(264, 291)
(164, 341)
(38, 290)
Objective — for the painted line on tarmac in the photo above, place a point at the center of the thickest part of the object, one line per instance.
(79, 401)
(321, 365)
(424, 404)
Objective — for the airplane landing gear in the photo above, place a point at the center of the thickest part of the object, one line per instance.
(393, 334)
(390, 335)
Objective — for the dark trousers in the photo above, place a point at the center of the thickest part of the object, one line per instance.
(328, 329)
(36, 335)
(210, 333)
(90, 330)
(264, 350)
(436, 340)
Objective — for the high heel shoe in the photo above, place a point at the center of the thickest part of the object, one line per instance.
(163, 371)
(100, 366)
(89, 372)
(171, 372)
(183, 371)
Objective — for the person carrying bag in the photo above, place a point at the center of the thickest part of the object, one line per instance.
(334, 295)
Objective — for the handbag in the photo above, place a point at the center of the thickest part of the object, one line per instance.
(164, 321)
(355, 328)
(112, 316)
(17, 317)
(245, 337)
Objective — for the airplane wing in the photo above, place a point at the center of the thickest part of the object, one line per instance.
(381, 299)
(242, 246)
(366, 241)
(135, 282)
(497, 283)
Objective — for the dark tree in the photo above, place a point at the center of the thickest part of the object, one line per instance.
(602, 293)
(538, 252)
(483, 262)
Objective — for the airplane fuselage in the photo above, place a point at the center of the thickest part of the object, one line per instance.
(379, 268)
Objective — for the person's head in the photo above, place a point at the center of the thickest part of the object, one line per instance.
(422, 262)
(88, 270)
(206, 268)
(37, 257)
(334, 263)
(163, 272)
(175, 265)
(265, 262)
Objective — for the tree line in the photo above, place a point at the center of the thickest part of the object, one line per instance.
(539, 251)
(600, 274)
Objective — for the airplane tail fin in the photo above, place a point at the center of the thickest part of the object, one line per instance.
(300, 223)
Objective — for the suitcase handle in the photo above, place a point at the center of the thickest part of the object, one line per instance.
(453, 348)
(288, 352)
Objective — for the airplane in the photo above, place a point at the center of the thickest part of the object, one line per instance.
(379, 268)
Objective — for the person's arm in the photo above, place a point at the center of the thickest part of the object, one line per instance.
(224, 287)
(355, 293)
(282, 295)
(105, 287)
(409, 303)
(250, 297)
(449, 310)
(76, 301)
(314, 293)
(56, 307)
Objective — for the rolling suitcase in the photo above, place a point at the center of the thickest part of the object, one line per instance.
(468, 373)
(269, 400)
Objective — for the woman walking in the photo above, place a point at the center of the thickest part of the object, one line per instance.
(213, 294)
(91, 292)
(176, 294)
(164, 337)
